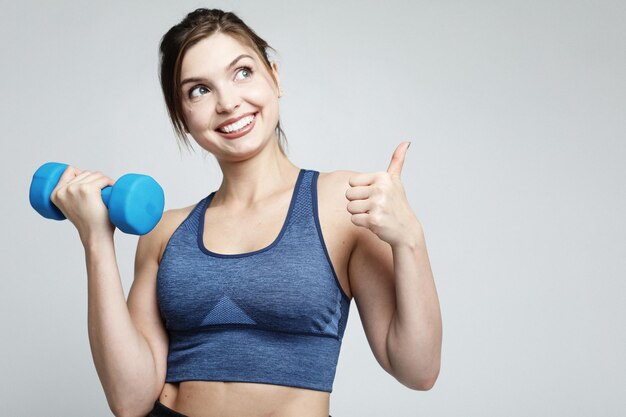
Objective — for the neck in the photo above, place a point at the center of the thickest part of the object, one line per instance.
(247, 182)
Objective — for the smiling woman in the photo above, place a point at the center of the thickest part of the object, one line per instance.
(179, 88)
(209, 91)
(240, 302)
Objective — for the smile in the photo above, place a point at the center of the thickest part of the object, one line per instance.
(238, 125)
(238, 128)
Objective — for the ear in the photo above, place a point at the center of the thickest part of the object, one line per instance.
(276, 78)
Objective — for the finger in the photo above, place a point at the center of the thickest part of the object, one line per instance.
(358, 193)
(360, 219)
(93, 176)
(69, 174)
(359, 206)
(79, 177)
(362, 179)
(102, 181)
(397, 159)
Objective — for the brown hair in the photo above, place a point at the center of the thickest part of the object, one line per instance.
(196, 26)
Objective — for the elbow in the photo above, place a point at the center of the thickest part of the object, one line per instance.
(121, 412)
(422, 385)
(425, 383)
(130, 411)
(132, 404)
(419, 376)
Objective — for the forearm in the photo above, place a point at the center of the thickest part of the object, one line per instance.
(122, 357)
(415, 333)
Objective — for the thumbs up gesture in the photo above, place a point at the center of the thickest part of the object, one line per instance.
(378, 202)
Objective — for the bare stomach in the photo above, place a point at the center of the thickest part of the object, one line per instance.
(241, 399)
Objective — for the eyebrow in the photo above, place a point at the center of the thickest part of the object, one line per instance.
(232, 64)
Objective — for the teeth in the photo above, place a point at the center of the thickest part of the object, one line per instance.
(238, 125)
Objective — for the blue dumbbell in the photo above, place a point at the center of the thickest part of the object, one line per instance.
(135, 202)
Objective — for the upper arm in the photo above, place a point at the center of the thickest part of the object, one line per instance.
(142, 300)
(372, 281)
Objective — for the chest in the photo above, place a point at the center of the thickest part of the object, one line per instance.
(245, 232)
(284, 268)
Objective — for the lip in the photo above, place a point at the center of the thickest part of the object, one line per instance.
(240, 133)
(234, 119)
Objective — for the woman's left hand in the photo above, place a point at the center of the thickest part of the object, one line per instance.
(378, 202)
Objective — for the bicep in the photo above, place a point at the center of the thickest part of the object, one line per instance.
(142, 300)
(372, 282)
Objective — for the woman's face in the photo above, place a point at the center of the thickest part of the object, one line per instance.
(222, 79)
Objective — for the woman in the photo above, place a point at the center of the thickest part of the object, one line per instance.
(239, 303)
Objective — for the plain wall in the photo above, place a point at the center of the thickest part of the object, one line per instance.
(516, 113)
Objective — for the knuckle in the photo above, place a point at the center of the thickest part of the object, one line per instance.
(57, 195)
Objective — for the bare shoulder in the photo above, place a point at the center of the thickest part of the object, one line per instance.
(332, 187)
(337, 180)
(168, 224)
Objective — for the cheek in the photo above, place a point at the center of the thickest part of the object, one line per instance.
(263, 91)
(188, 115)
(193, 117)
(266, 98)
(262, 96)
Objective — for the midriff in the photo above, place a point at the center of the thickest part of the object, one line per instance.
(239, 399)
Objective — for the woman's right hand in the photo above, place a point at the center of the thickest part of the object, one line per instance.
(78, 195)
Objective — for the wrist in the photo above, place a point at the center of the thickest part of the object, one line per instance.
(96, 240)
(413, 238)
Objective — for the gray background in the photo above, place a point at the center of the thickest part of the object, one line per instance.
(516, 114)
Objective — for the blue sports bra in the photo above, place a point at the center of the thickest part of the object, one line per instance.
(275, 316)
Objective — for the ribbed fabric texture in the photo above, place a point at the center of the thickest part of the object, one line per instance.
(276, 315)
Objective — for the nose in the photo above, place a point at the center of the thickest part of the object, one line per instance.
(227, 100)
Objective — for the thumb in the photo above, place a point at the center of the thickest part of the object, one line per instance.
(397, 159)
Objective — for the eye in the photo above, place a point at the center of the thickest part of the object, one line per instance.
(198, 88)
(246, 72)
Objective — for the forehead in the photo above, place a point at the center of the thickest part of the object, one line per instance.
(212, 55)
